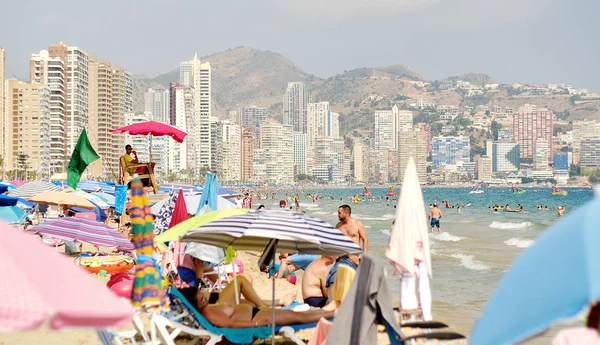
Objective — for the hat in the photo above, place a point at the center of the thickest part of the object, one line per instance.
(282, 202)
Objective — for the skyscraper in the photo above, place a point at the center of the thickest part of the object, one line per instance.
(295, 101)
(531, 124)
(226, 150)
(590, 152)
(248, 145)
(49, 71)
(184, 155)
(156, 102)
(253, 117)
(122, 105)
(274, 161)
(300, 153)
(413, 143)
(28, 127)
(505, 156)
(329, 160)
(334, 127)
(483, 169)
(100, 96)
(318, 124)
(540, 158)
(197, 75)
(388, 124)
(358, 153)
(447, 152)
(427, 129)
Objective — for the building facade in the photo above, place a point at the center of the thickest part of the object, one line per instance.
(253, 117)
(295, 101)
(413, 143)
(156, 102)
(184, 155)
(506, 157)
(274, 161)
(358, 154)
(590, 152)
(329, 160)
(300, 167)
(540, 157)
(427, 129)
(248, 144)
(226, 145)
(447, 152)
(483, 170)
(531, 124)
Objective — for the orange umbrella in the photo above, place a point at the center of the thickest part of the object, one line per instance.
(62, 199)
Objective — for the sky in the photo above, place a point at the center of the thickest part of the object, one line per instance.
(527, 41)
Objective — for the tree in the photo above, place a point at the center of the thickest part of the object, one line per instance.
(574, 170)
(494, 128)
(22, 165)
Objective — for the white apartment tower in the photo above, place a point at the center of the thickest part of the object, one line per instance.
(76, 65)
(253, 117)
(156, 102)
(274, 161)
(184, 155)
(226, 144)
(197, 75)
(295, 100)
(388, 124)
(49, 71)
(300, 153)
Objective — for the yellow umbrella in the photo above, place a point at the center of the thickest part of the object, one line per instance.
(62, 199)
(195, 222)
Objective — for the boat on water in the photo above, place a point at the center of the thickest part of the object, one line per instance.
(558, 191)
(391, 192)
(517, 191)
(366, 192)
(476, 190)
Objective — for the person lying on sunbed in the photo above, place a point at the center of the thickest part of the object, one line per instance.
(226, 314)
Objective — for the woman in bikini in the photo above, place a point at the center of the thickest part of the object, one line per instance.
(252, 312)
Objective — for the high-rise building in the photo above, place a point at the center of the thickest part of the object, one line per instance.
(590, 152)
(100, 113)
(318, 124)
(505, 134)
(358, 154)
(184, 155)
(448, 152)
(28, 127)
(295, 101)
(141, 143)
(427, 129)
(3, 116)
(506, 157)
(248, 145)
(235, 116)
(122, 104)
(483, 169)
(274, 161)
(300, 153)
(540, 158)
(197, 75)
(582, 129)
(50, 71)
(388, 123)
(334, 127)
(413, 143)
(561, 161)
(253, 117)
(530, 124)
(329, 160)
(226, 145)
(156, 102)
(172, 103)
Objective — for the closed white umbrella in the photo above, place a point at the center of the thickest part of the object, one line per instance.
(408, 248)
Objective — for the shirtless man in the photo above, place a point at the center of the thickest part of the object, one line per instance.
(434, 215)
(225, 313)
(355, 230)
(314, 291)
(297, 202)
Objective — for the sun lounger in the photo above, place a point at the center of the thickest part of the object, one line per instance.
(401, 339)
(187, 319)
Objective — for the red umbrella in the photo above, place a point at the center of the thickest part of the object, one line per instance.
(180, 212)
(152, 128)
(157, 129)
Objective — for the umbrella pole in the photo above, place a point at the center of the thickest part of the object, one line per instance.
(150, 150)
(273, 296)
(237, 293)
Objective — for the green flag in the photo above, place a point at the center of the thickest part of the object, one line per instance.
(82, 156)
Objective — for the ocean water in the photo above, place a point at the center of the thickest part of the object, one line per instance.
(474, 250)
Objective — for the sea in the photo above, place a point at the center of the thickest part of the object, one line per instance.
(473, 251)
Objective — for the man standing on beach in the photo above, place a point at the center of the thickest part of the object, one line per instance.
(355, 230)
(435, 214)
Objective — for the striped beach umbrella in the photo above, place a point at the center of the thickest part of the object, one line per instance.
(293, 230)
(30, 189)
(93, 186)
(83, 230)
(148, 289)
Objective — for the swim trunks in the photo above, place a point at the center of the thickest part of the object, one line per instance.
(317, 302)
(333, 270)
(435, 222)
(302, 260)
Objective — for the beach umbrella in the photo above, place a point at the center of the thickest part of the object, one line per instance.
(166, 187)
(176, 231)
(555, 279)
(107, 198)
(192, 202)
(148, 289)
(163, 213)
(39, 284)
(6, 200)
(283, 230)
(17, 183)
(83, 230)
(179, 212)
(30, 189)
(62, 199)
(12, 214)
(152, 128)
(408, 247)
(208, 201)
(8, 185)
(93, 186)
(99, 202)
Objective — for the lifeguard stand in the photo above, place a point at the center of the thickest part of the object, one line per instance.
(126, 177)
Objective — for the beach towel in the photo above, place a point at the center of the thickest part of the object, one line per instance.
(319, 336)
(408, 297)
(163, 218)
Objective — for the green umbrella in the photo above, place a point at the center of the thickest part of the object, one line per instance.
(173, 233)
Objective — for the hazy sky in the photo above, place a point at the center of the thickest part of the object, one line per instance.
(537, 41)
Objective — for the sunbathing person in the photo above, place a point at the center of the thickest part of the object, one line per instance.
(225, 313)
(314, 291)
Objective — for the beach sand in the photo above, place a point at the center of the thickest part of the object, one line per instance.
(262, 285)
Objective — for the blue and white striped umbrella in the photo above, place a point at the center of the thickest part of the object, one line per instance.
(93, 186)
(34, 188)
(295, 232)
(166, 187)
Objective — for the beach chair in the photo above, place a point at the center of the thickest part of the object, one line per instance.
(116, 338)
(185, 318)
(126, 177)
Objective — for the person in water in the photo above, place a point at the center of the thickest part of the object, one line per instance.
(226, 314)
(435, 214)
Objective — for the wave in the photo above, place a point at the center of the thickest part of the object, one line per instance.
(386, 232)
(305, 205)
(446, 237)
(509, 226)
(319, 212)
(519, 242)
(469, 262)
(387, 216)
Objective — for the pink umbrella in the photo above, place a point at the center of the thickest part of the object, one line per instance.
(17, 183)
(152, 128)
(38, 284)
